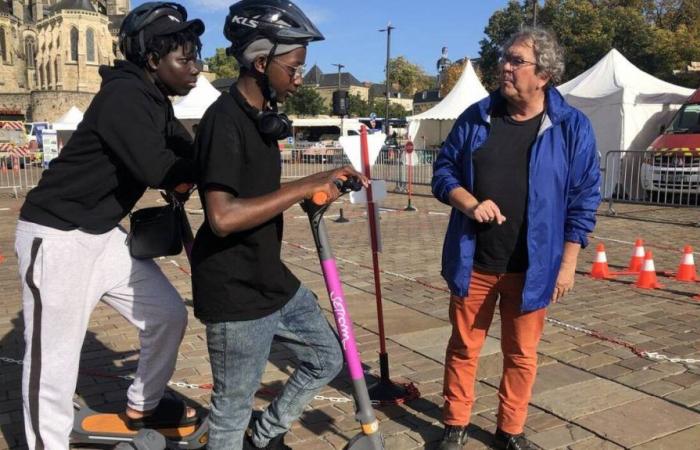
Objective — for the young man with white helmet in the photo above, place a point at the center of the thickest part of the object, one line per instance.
(243, 291)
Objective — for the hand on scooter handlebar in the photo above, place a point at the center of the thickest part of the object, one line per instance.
(343, 184)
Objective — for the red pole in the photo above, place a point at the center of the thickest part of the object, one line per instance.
(364, 152)
(410, 207)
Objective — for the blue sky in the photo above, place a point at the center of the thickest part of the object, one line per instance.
(423, 27)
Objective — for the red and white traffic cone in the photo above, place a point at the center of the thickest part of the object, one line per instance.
(600, 269)
(637, 260)
(686, 269)
(647, 276)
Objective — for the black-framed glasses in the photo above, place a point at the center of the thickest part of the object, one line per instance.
(293, 71)
(516, 62)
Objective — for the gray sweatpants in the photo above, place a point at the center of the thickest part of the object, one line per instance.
(64, 274)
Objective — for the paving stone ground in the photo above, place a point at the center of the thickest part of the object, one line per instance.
(592, 391)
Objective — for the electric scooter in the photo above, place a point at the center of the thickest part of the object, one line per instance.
(93, 427)
(370, 438)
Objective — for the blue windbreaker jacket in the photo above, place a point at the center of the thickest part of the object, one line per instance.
(563, 193)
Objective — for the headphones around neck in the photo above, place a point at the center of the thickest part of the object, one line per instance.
(272, 125)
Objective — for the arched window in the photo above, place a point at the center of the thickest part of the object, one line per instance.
(41, 76)
(55, 72)
(3, 46)
(30, 51)
(49, 79)
(74, 44)
(90, 42)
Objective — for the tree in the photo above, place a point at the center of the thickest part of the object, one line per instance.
(306, 101)
(357, 106)
(222, 65)
(502, 24)
(450, 78)
(658, 36)
(410, 78)
(396, 111)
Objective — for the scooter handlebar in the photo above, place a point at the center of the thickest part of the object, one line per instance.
(344, 185)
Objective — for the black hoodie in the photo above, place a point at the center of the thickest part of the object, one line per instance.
(129, 140)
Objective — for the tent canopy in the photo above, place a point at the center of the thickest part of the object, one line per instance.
(626, 105)
(70, 120)
(431, 127)
(195, 104)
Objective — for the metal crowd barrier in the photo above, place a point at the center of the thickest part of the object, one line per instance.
(667, 178)
(19, 174)
(391, 164)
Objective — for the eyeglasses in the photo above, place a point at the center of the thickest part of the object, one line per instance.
(516, 62)
(293, 71)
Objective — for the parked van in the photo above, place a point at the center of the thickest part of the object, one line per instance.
(34, 129)
(316, 139)
(672, 162)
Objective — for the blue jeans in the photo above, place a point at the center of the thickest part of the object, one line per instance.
(238, 352)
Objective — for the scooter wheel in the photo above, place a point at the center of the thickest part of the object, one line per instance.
(124, 446)
(147, 440)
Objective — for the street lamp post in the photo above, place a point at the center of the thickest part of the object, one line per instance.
(339, 66)
(388, 56)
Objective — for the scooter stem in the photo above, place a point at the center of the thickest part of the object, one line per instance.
(365, 414)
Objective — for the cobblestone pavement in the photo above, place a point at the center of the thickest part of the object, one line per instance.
(593, 390)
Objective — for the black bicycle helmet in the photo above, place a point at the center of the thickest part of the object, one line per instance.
(149, 20)
(280, 21)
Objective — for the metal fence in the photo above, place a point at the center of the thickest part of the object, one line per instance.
(19, 174)
(391, 164)
(670, 178)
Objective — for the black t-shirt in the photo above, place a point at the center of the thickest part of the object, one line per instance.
(241, 276)
(501, 175)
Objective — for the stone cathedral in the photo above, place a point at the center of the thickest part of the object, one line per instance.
(50, 52)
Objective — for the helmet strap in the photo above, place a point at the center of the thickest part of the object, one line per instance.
(268, 91)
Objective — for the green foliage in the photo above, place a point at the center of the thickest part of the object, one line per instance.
(658, 36)
(409, 77)
(222, 65)
(305, 102)
(357, 107)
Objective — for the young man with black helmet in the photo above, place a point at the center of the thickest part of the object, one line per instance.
(243, 291)
(71, 249)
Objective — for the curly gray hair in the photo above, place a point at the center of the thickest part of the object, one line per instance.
(549, 55)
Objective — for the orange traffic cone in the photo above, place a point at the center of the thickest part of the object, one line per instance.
(647, 276)
(600, 269)
(637, 260)
(686, 270)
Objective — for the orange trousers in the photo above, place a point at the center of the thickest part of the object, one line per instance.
(471, 317)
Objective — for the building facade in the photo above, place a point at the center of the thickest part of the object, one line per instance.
(50, 53)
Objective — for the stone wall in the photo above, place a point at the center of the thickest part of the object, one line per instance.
(15, 102)
(48, 106)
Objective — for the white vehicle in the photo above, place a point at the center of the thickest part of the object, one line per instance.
(672, 162)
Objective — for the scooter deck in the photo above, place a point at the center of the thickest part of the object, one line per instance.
(113, 423)
(111, 428)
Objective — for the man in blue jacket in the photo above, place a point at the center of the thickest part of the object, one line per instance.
(521, 171)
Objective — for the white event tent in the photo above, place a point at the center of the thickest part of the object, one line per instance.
(194, 105)
(70, 120)
(626, 105)
(431, 127)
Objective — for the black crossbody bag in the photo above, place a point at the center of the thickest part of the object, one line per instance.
(156, 231)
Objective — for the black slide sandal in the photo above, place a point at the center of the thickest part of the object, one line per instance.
(170, 413)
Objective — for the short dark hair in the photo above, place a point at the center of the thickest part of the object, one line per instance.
(160, 46)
